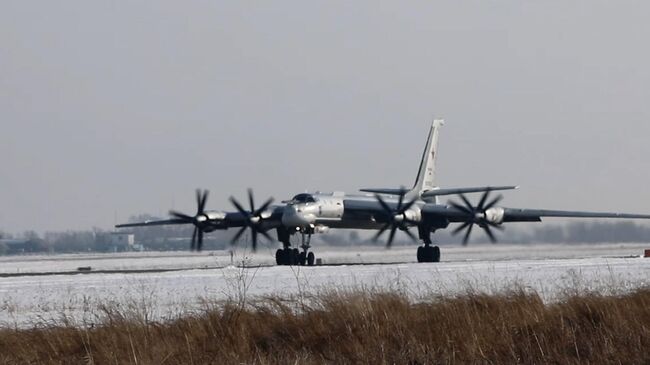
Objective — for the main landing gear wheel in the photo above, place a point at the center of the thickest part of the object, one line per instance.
(289, 256)
(286, 256)
(280, 256)
(428, 254)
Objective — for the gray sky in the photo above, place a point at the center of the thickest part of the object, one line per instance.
(113, 108)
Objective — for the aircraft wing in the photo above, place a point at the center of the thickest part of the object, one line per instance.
(162, 222)
(527, 215)
(524, 215)
(223, 220)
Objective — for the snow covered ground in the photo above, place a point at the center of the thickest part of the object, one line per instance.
(551, 270)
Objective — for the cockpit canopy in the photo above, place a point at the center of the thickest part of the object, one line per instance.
(303, 198)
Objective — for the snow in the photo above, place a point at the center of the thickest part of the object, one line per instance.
(549, 270)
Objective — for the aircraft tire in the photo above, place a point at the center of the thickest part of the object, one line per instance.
(428, 254)
(280, 257)
(436, 254)
(302, 259)
(294, 257)
(311, 258)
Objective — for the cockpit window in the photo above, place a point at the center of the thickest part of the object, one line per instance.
(303, 198)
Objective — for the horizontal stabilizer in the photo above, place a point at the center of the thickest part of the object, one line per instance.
(453, 191)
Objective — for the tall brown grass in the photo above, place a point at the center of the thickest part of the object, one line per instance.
(362, 327)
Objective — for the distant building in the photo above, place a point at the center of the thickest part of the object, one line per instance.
(15, 246)
(121, 241)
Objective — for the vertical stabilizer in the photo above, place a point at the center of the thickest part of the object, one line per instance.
(426, 179)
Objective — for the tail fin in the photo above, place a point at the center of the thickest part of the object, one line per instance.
(426, 179)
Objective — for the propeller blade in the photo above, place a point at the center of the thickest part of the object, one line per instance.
(238, 235)
(238, 206)
(198, 201)
(393, 224)
(200, 243)
(193, 242)
(483, 200)
(461, 208)
(407, 206)
(182, 216)
(469, 232)
(494, 202)
(381, 231)
(478, 219)
(251, 201)
(264, 206)
(411, 235)
(460, 228)
(490, 234)
(204, 200)
(469, 205)
(392, 236)
(383, 204)
(254, 238)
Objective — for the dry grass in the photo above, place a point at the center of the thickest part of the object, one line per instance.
(359, 328)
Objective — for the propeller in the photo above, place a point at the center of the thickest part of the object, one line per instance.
(253, 219)
(477, 215)
(397, 218)
(200, 220)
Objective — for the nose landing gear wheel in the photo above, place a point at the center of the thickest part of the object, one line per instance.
(307, 259)
(428, 254)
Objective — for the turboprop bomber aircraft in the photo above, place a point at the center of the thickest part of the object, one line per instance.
(384, 210)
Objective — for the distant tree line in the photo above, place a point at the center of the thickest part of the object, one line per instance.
(177, 237)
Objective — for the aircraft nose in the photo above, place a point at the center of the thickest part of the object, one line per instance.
(297, 216)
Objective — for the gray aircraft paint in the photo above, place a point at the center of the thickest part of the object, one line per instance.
(426, 179)
(318, 212)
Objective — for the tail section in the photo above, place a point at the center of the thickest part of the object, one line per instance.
(426, 179)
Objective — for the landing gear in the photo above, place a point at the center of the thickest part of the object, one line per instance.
(288, 256)
(427, 253)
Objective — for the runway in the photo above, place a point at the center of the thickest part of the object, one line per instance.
(168, 285)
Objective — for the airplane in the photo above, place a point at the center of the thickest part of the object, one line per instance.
(384, 210)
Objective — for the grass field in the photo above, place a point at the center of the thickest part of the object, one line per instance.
(355, 327)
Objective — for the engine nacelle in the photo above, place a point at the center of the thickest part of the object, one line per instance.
(414, 214)
(216, 221)
(495, 215)
(215, 216)
(321, 229)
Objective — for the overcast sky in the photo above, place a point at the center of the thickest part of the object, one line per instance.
(110, 108)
